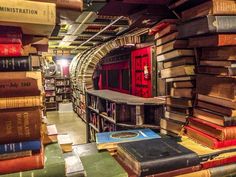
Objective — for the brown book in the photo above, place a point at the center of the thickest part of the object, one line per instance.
(219, 53)
(178, 71)
(179, 103)
(176, 117)
(177, 79)
(217, 108)
(217, 101)
(214, 118)
(177, 3)
(212, 7)
(174, 54)
(185, 111)
(221, 71)
(182, 92)
(167, 30)
(176, 44)
(167, 38)
(179, 62)
(213, 40)
(20, 125)
(217, 63)
(18, 87)
(171, 126)
(221, 87)
(184, 84)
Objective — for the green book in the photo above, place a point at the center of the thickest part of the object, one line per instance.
(102, 165)
(54, 165)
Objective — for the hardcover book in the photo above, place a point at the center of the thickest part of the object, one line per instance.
(230, 71)
(167, 30)
(175, 54)
(182, 92)
(14, 155)
(176, 44)
(109, 140)
(187, 70)
(171, 126)
(167, 38)
(179, 62)
(156, 156)
(176, 116)
(179, 103)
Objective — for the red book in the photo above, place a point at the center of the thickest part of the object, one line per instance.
(161, 25)
(10, 32)
(35, 161)
(207, 140)
(218, 162)
(10, 40)
(13, 50)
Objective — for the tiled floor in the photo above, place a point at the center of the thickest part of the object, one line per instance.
(69, 122)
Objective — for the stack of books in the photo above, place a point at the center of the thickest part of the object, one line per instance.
(213, 121)
(176, 63)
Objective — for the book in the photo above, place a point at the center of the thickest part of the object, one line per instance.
(38, 19)
(85, 149)
(217, 63)
(176, 44)
(110, 140)
(167, 30)
(10, 40)
(182, 92)
(10, 32)
(217, 101)
(33, 145)
(186, 70)
(18, 87)
(206, 25)
(11, 50)
(216, 40)
(20, 102)
(175, 54)
(179, 62)
(21, 124)
(171, 126)
(65, 142)
(14, 155)
(230, 71)
(213, 7)
(179, 103)
(156, 156)
(214, 117)
(173, 109)
(161, 25)
(207, 140)
(221, 87)
(184, 78)
(217, 108)
(176, 116)
(218, 132)
(166, 39)
(183, 84)
(103, 161)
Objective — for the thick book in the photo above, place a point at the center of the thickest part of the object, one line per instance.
(171, 126)
(21, 124)
(216, 40)
(177, 79)
(11, 50)
(14, 155)
(10, 40)
(206, 25)
(161, 25)
(214, 118)
(156, 156)
(175, 54)
(18, 87)
(207, 140)
(85, 149)
(176, 44)
(36, 18)
(106, 166)
(174, 109)
(183, 84)
(167, 30)
(186, 70)
(217, 63)
(219, 132)
(33, 145)
(221, 71)
(110, 140)
(167, 38)
(182, 93)
(221, 87)
(179, 103)
(176, 116)
(212, 7)
(179, 62)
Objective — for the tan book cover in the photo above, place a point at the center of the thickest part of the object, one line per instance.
(178, 71)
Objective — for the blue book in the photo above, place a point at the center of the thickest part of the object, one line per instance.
(20, 146)
(109, 140)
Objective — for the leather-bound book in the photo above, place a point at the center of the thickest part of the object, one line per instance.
(179, 103)
(182, 92)
(216, 40)
(167, 30)
(186, 70)
(156, 156)
(181, 111)
(206, 25)
(183, 84)
(212, 7)
(161, 25)
(175, 54)
(221, 71)
(179, 62)
(216, 63)
(167, 38)
(176, 44)
(176, 116)
(171, 125)
(216, 131)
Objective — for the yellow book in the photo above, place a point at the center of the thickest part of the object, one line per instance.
(34, 18)
(202, 173)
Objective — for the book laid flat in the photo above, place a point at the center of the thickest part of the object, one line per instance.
(213, 7)
(184, 84)
(181, 111)
(230, 71)
(109, 140)
(176, 44)
(179, 62)
(175, 54)
(187, 70)
(182, 92)
(171, 126)
(216, 40)
(65, 141)
(21, 124)
(179, 103)
(36, 17)
(85, 149)
(176, 116)
(184, 78)
(206, 25)
(167, 38)
(213, 117)
(14, 155)
(217, 63)
(218, 132)
(102, 165)
(167, 30)
(54, 164)
(11, 50)
(161, 25)
(156, 156)
(34, 145)
(207, 140)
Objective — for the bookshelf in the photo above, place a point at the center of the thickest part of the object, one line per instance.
(63, 90)
(108, 110)
(50, 93)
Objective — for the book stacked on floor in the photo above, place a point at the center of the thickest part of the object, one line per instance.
(213, 123)
(176, 63)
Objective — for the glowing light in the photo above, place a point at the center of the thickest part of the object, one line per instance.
(63, 62)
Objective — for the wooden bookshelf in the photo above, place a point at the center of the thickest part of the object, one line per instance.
(108, 110)
(50, 94)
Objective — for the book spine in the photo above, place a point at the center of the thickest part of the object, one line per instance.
(15, 155)
(7, 40)
(20, 125)
(21, 146)
(219, 162)
(70, 4)
(15, 64)
(10, 50)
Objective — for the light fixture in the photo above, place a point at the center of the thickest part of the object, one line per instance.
(63, 62)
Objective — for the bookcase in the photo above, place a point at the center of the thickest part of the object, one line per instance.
(108, 110)
(63, 90)
(50, 93)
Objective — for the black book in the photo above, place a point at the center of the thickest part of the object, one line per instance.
(156, 156)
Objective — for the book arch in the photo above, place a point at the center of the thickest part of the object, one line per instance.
(83, 65)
